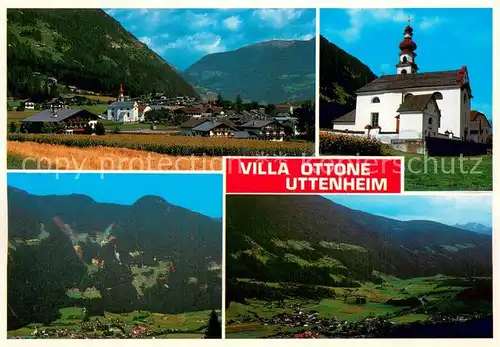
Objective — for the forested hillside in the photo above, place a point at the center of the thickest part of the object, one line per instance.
(341, 75)
(85, 48)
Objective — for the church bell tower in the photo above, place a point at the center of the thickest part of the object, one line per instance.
(407, 53)
(121, 97)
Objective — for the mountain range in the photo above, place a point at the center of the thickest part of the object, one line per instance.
(311, 240)
(341, 75)
(85, 48)
(272, 72)
(71, 250)
(476, 227)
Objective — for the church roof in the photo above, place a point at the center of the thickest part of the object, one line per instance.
(417, 80)
(415, 103)
(349, 117)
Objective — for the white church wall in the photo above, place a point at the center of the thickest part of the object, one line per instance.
(386, 109)
(410, 125)
(450, 107)
(344, 126)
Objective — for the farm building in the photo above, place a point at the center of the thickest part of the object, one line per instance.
(213, 129)
(265, 129)
(69, 120)
(187, 126)
(480, 127)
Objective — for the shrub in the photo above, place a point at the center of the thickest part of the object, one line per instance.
(336, 144)
(13, 127)
(99, 129)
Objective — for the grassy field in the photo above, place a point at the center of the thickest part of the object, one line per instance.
(438, 290)
(448, 173)
(185, 325)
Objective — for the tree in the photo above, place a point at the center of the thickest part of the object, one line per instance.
(270, 109)
(13, 127)
(214, 329)
(99, 129)
(87, 129)
(220, 99)
(238, 104)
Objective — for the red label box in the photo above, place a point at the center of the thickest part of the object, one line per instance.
(323, 175)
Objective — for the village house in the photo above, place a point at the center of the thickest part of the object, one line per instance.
(187, 126)
(218, 128)
(123, 111)
(191, 111)
(73, 121)
(480, 127)
(284, 108)
(143, 109)
(265, 129)
(29, 105)
(288, 122)
(411, 105)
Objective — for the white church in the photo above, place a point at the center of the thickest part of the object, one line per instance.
(123, 111)
(411, 105)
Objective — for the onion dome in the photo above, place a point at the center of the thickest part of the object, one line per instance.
(408, 30)
(407, 44)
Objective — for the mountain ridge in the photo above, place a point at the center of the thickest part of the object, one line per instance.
(152, 256)
(272, 71)
(310, 239)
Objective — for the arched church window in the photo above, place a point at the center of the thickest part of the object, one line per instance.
(430, 120)
(404, 72)
(408, 95)
(438, 96)
(375, 100)
(405, 59)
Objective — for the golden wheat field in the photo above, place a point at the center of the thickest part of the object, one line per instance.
(107, 158)
(174, 145)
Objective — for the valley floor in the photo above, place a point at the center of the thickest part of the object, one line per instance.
(137, 324)
(343, 316)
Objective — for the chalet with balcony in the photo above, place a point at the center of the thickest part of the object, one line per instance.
(214, 129)
(265, 129)
(72, 121)
(187, 126)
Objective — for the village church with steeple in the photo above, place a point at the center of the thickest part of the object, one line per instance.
(411, 104)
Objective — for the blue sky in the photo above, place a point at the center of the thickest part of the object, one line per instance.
(446, 209)
(198, 192)
(183, 36)
(446, 39)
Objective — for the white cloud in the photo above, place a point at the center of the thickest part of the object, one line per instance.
(146, 40)
(306, 37)
(143, 11)
(278, 18)
(428, 23)
(203, 42)
(232, 23)
(359, 19)
(206, 42)
(200, 20)
(155, 17)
